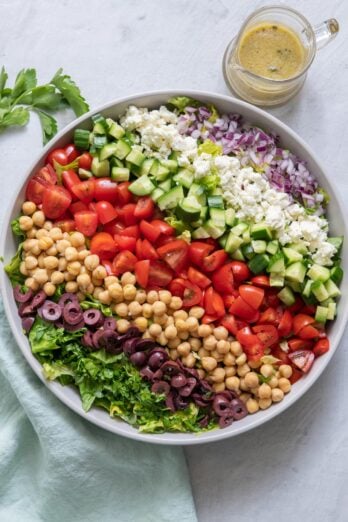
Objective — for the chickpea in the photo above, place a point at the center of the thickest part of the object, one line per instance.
(265, 391)
(83, 280)
(31, 283)
(165, 296)
(152, 297)
(267, 370)
(42, 232)
(28, 208)
(135, 308)
(129, 292)
(62, 245)
(183, 336)
(202, 352)
(30, 262)
(244, 397)
(28, 244)
(122, 325)
(121, 309)
(104, 297)
(197, 312)
(251, 379)
(170, 332)
(140, 296)
(174, 343)
(97, 291)
(71, 286)
(180, 314)
(110, 280)
(209, 342)
(91, 262)
(218, 375)
(77, 239)
(31, 234)
(201, 373)
(128, 279)
(204, 330)
(254, 364)
(229, 359)
(192, 323)
(189, 361)
(184, 349)
(265, 403)
(74, 268)
(160, 319)
(181, 325)
(49, 289)
(90, 289)
(83, 254)
(242, 359)
(173, 354)
(252, 405)
(25, 223)
(38, 218)
(159, 308)
(273, 382)
(155, 330)
(23, 269)
(40, 261)
(284, 384)
(243, 369)
(217, 355)
(146, 335)
(97, 282)
(170, 320)
(52, 251)
(99, 272)
(62, 264)
(285, 370)
(71, 254)
(175, 303)
(147, 310)
(222, 347)
(230, 371)
(35, 249)
(50, 262)
(195, 343)
(221, 333)
(277, 395)
(141, 323)
(55, 233)
(162, 339)
(232, 383)
(209, 363)
(57, 277)
(80, 296)
(48, 225)
(115, 291)
(219, 387)
(236, 348)
(40, 275)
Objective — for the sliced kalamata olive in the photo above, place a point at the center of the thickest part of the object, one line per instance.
(96, 338)
(160, 387)
(199, 400)
(38, 299)
(138, 359)
(205, 421)
(156, 359)
(129, 345)
(144, 344)
(25, 309)
(72, 313)
(192, 372)
(147, 373)
(226, 420)
(178, 381)
(111, 342)
(133, 331)
(186, 390)
(67, 298)
(205, 387)
(221, 405)
(180, 402)
(157, 376)
(170, 402)
(238, 408)
(87, 339)
(51, 311)
(22, 297)
(93, 317)
(73, 327)
(109, 323)
(59, 323)
(170, 368)
(27, 323)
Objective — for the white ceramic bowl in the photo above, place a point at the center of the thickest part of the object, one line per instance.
(338, 226)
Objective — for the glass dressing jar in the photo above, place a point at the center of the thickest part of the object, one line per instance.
(267, 91)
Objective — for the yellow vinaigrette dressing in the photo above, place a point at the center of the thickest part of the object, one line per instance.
(272, 50)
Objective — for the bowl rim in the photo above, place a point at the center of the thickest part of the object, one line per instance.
(122, 428)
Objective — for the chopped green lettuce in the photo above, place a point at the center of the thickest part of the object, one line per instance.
(176, 223)
(17, 230)
(12, 268)
(181, 102)
(209, 147)
(45, 337)
(210, 182)
(90, 302)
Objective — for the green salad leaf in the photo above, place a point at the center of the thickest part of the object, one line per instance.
(181, 102)
(45, 337)
(12, 268)
(209, 147)
(49, 126)
(210, 182)
(90, 302)
(16, 229)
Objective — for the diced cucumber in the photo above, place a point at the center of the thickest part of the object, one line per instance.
(246, 236)
(233, 242)
(321, 314)
(213, 230)
(120, 174)
(146, 166)
(81, 139)
(239, 228)
(204, 213)
(277, 263)
(223, 239)
(171, 199)
(336, 274)
(259, 246)
(136, 157)
(319, 273)
(170, 164)
(300, 248)
(295, 286)
(99, 141)
(200, 233)
(337, 242)
(261, 231)
(286, 295)
(238, 255)
(184, 177)
(85, 174)
(276, 280)
(248, 251)
(122, 149)
(99, 119)
(142, 186)
(291, 255)
(307, 288)
(198, 191)
(217, 216)
(331, 311)
(165, 185)
(108, 150)
(230, 217)
(217, 192)
(272, 247)
(157, 193)
(188, 209)
(319, 291)
(114, 129)
(115, 162)
(296, 272)
(332, 289)
(100, 169)
(215, 202)
(258, 263)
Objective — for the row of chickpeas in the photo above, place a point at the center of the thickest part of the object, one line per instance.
(52, 257)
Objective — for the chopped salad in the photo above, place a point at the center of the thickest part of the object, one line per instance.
(176, 267)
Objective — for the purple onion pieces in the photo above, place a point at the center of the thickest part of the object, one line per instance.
(93, 317)
(72, 313)
(50, 311)
(22, 297)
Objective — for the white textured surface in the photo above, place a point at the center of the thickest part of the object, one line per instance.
(295, 466)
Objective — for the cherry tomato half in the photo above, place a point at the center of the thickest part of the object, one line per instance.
(58, 155)
(175, 254)
(55, 201)
(253, 295)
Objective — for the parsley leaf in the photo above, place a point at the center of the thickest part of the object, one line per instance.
(17, 116)
(48, 125)
(70, 92)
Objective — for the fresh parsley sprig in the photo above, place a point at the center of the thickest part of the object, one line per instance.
(26, 96)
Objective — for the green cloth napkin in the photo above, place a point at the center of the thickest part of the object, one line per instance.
(55, 466)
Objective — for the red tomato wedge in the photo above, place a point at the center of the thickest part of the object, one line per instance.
(246, 337)
(66, 225)
(148, 251)
(105, 190)
(198, 251)
(163, 227)
(303, 359)
(242, 309)
(85, 161)
(214, 260)
(106, 212)
(124, 262)
(296, 344)
(241, 271)
(35, 189)
(175, 254)
(308, 332)
(267, 334)
(48, 174)
(125, 242)
(285, 324)
(58, 155)
(149, 231)
(123, 194)
(322, 346)
(84, 190)
(142, 270)
(77, 206)
(229, 322)
(114, 227)
(213, 303)
(131, 231)
(86, 222)
(253, 295)
(70, 178)
(144, 208)
(208, 319)
(190, 293)
(197, 278)
(55, 201)
(71, 152)
(159, 274)
(261, 280)
(223, 280)
(301, 320)
(103, 245)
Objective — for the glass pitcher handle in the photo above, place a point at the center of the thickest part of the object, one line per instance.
(325, 32)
